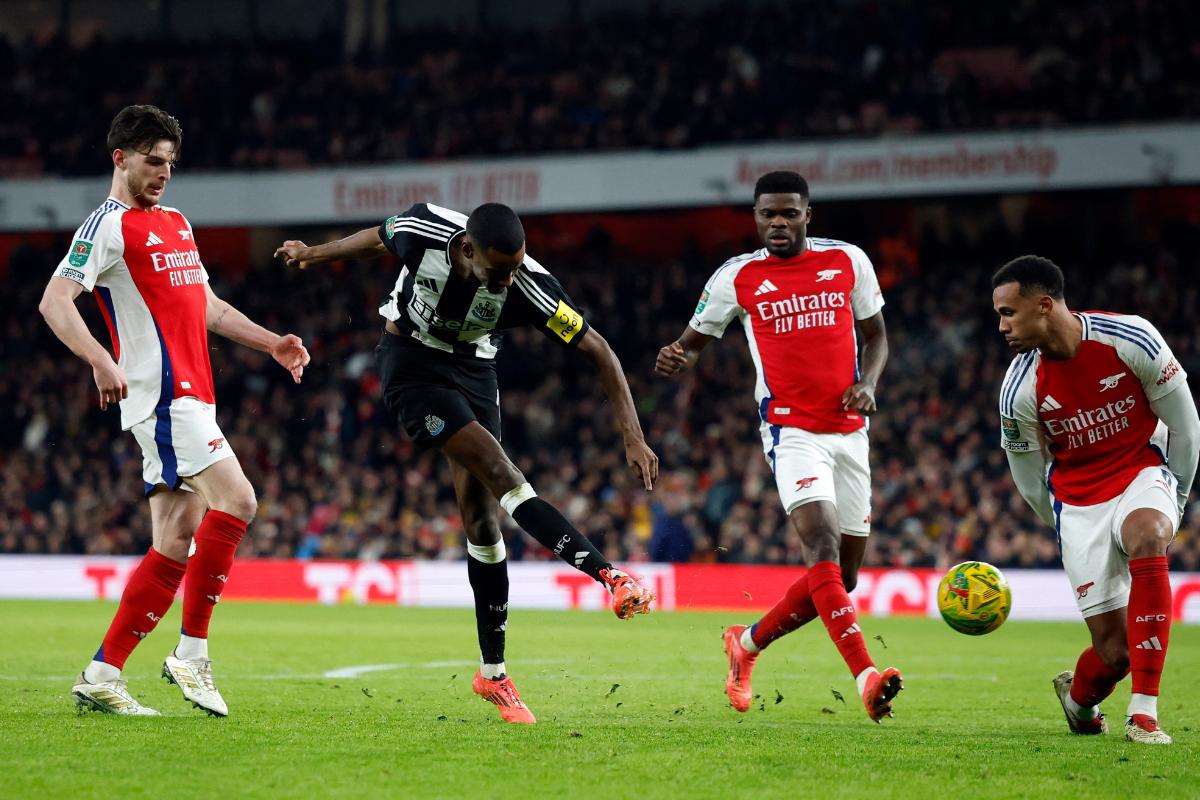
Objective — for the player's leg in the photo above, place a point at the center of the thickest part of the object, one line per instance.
(1146, 532)
(477, 451)
(487, 570)
(1097, 672)
(1096, 570)
(229, 498)
(149, 590)
(818, 527)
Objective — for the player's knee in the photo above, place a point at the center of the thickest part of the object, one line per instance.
(503, 477)
(241, 503)
(1147, 533)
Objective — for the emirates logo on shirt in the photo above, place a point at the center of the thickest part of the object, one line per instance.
(1092, 425)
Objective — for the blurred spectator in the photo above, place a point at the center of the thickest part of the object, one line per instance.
(651, 78)
(337, 480)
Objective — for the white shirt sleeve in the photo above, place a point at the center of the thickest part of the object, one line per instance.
(866, 298)
(1020, 428)
(88, 259)
(1140, 345)
(718, 304)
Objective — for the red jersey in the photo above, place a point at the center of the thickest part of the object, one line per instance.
(1091, 413)
(152, 290)
(798, 314)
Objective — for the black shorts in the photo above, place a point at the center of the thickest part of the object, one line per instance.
(434, 394)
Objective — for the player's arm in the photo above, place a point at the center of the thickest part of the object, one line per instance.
(364, 244)
(682, 353)
(861, 396)
(59, 311)
(1028, 471)
(1177, 410)
(717, 307)
(641, 458)
(225, 320)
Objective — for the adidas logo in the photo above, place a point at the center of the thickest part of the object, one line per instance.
(579, 558)
(153, 240)
(853, 629)
(765, 287)
(427, 283)
(1150, 644)
(216, 598)
(1049, 404)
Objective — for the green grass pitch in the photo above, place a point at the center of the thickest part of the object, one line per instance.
(625, 709)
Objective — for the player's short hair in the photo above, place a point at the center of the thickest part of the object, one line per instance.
(496, 226)
(781, 182)
(1034, 274)
(139, 128)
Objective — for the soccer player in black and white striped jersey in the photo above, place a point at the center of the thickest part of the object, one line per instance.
(463, 280)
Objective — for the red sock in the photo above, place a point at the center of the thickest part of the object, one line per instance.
(1149, 621)
(1094, 680)
(837, 612)
(148, 594)
(209, 567)
(794, 609)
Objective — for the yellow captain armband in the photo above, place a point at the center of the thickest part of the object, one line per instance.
(566, 322)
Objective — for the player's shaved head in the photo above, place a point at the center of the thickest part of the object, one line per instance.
(781, 182)
(495, 226)
(140, 128)
(1035, 275)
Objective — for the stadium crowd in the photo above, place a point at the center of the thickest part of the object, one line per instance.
(653, 78)
(336, 479)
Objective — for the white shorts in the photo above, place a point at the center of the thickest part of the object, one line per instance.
(179, 442)
(1090, 539)
(822, 466)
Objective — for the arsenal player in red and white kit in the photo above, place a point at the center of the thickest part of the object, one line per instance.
(1102, 437)
(139, 259)
(804, 304)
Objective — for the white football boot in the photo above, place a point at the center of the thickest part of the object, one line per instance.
(1144, 729)
(194, 678)
(108, 697)
(1088, 727)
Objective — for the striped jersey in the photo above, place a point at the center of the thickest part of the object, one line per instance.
(434, 305)
(1090, 414)
(144, 270)
(798, 314)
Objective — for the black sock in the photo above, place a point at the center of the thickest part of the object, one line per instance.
(490, 584)
(543, 522)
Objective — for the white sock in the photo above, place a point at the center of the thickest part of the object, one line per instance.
(861, 679)
(1138, 704)
(99, 672)
(748, 642)
(493, 671)
(191, 648)
(1083, 712)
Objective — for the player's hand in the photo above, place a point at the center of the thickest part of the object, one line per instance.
(671, 359)
(291, 251)
(643, 461)
(111, 382)
(860, 397)
(291, 354)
